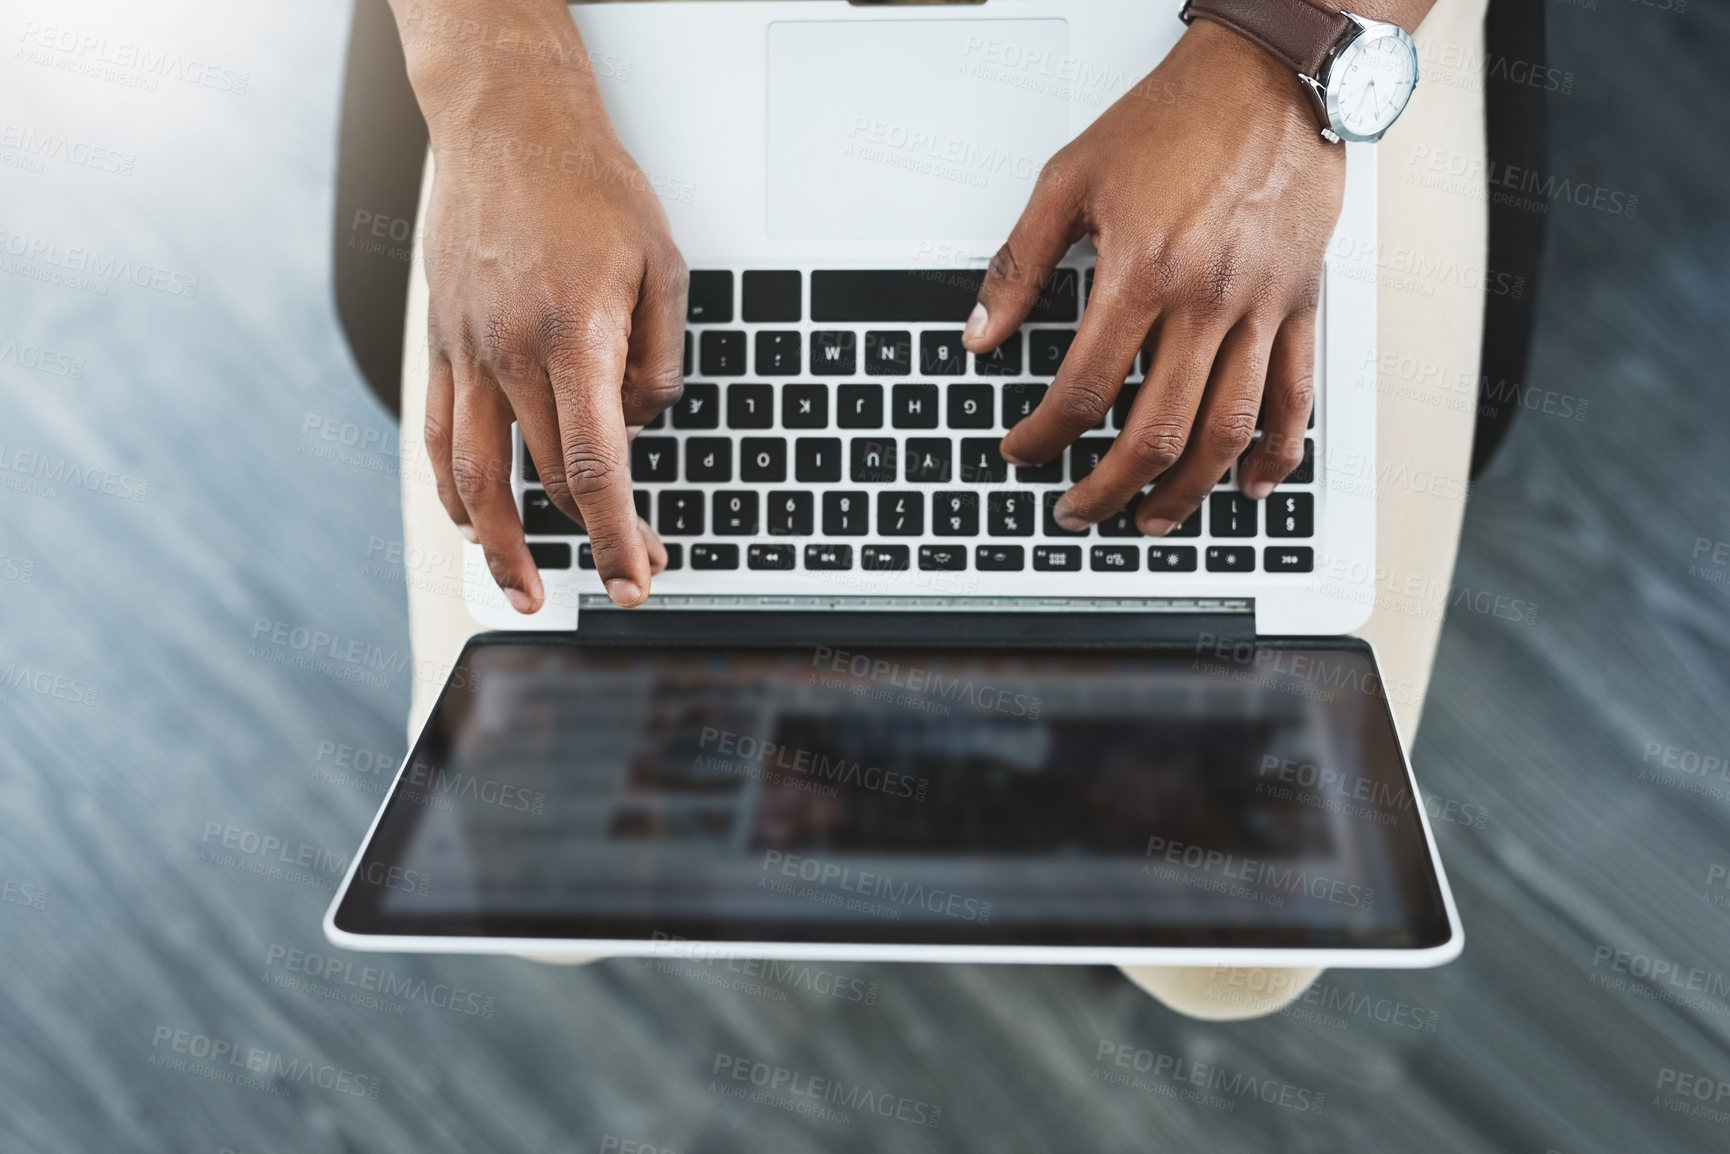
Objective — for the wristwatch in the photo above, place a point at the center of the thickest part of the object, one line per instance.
(1359, 73)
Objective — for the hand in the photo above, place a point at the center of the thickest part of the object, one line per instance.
(1210, 213)
(557, 299)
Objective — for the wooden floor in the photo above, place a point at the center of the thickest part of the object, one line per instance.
(171, 792)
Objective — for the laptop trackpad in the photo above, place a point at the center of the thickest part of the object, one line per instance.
(885, 129)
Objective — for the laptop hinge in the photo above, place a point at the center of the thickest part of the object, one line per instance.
(930, 622)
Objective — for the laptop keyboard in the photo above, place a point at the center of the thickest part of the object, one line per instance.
(852, 430)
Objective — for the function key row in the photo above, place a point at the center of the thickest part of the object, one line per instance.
(900, 513)
(904, 296)
(994, 558)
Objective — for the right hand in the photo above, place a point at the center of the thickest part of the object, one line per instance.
(557, 300)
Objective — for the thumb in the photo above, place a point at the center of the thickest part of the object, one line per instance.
(1017, 274)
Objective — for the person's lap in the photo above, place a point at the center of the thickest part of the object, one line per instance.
(1429, 332)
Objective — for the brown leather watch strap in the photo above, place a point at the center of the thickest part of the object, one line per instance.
(1299, 32)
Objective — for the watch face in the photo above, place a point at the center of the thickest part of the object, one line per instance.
(1371, 82)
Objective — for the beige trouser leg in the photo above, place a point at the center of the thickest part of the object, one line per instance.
(1424, 427)
(1429, 331)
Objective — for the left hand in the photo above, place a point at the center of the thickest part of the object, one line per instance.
(1211, 214)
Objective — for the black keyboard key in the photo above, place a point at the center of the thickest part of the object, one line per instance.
(714, 556)
(1291, 514)
(1085, 455)
(834, 354)
(1002, 361)
(1288, 559)
(941, 354)
(1019, 401)
(817, 459)
(1120, 407)
(675, 555)
(943, 557)
(885, 558)
(1046, 349)
(699, 407)
(659, 420)
(1122, 522)
(770, 556)
(1231, 515)
(585, 556)
(805, 406)
(859, 406)
(1191, 526)
(750, 406)
(828, 556)
(1115, 558)
(1050, 473)
(655, 459)
(679, 513)
(982, 462)
(762, 459)
(540, 515)
(687, 354)
(736, 512)
(901, 514)
(929, 459)
(845, 514)
(708, 459)
(550, 554)
(722, 354)
(1009, 514)
(790, 513)
(1230, 559)
(778, 353)
(888, 354)
(913, 406)
(1171, 558)
(710, 299)
(955, 514)
(874, 460)
(772, 297)
(999, 558)
(1052, 528)
(1057, 558)
(1056, 302)
(971, 406)
(641, 499)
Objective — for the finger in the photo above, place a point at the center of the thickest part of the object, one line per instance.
(586, 382)
(657, 551)
(436, 435)
(1157, 430)
(1290, 394)
(538, 418)
(481, 469)
(1224, 425)
(1112, 330)
(655, 358)
(1049, 224)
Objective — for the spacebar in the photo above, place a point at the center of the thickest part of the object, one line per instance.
(910, 295)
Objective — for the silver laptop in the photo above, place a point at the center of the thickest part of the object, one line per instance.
(837, 178)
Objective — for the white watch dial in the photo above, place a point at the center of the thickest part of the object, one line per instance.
(1371, 82)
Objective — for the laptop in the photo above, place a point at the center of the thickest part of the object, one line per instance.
(880, 705)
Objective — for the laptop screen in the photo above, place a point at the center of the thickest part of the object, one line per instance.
(1249, 798)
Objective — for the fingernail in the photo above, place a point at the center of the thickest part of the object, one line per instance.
(631, 431)
(1157, 526)
(975, 324)
(519, 600)
(1014, 460)
(1066, 517)
(624, 593)
(469, 534)
(1258, 490)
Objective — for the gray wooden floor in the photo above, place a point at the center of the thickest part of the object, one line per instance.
(138, 951)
